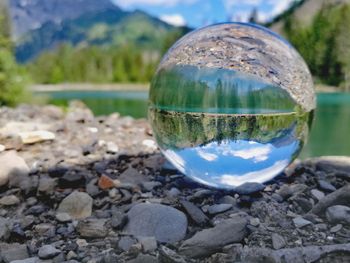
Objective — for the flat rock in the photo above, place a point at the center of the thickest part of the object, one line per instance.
(93, 228)
(132, 176)
(300, 222)
(209, 241)
(338, 214)
(78, 205)
(165, 223)
(318, 195)
(12, 165)
(219, 208)
(48, 251)
(36, 136)
(327, 186)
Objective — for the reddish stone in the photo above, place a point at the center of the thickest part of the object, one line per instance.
(105, 182)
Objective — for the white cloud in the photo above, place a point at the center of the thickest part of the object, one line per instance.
(174, 19)
(133, 3)
(275, 7)
(258, 154)
(210, 157)
(258, 176)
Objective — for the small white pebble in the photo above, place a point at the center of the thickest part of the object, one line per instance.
(92, 129)
(150, 144)
(2, 148)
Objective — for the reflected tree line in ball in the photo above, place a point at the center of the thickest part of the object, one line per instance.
(189, 88)
(180, 130)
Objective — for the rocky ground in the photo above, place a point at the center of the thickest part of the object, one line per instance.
(75, 188)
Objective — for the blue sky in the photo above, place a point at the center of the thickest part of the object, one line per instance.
(197, 13)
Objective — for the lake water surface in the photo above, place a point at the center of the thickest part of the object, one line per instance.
(330, 134)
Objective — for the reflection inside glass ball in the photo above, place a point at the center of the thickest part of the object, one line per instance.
(230, 104)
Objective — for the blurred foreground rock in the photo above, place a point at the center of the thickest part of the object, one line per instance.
(79, 188)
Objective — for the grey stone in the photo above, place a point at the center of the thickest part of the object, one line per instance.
(126, 242)
(118, 220)
(165, 223)
(173, 192)
(13, 251)
(254, 221)
(5, 229)
(47, 185)
(249, 188)
(9, 200)
(339, 253)
(93, 228)
(331, 164)
(278, 241)
(78, 205)
(300, 222)
(195, 213)
(324, 185)
(220, 208)
(336, 228)
(167, 255)
(287, 191)
(149, 244)
(338, 214)
(338, 197)
(63, 217)
(227, 199)
(48, 251)
(209, 241)
(141, 258)
(12, 165)
(318, 195)
(149, 186)
(28, 260)
(132, 176)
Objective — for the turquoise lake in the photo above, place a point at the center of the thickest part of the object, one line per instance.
(330, 133)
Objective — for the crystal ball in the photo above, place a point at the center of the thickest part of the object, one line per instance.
(231, 104)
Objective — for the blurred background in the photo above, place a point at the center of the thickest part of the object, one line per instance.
(104, 52)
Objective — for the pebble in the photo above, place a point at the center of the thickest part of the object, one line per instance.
(165, 223)
(338, 214)
(12, 165)
(13, 251)
(220, 208)
(47, 185)
(318, 195)
(278, 241)
(336, 228)
(209, 241)
(105, 182)
(126, 242)
(254, 221)
(118, 220)
(48, 251)
(324, 185)
(141, 258)
(173, 192)
(63, 217)
(36, 136)
(149, 244)
(27, 260)
(112, 147)
(2, 148)
(195, 213)
(93, 228)
(5, 229)
(249, 188)
(78, 205)
(9, 200)
(300, 222)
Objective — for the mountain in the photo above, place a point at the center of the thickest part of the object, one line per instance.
(302, 11)
(50, 23)
(32, 14)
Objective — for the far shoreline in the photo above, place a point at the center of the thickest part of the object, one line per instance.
(127, 87)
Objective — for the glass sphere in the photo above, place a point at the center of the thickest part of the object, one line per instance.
(230, 104)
